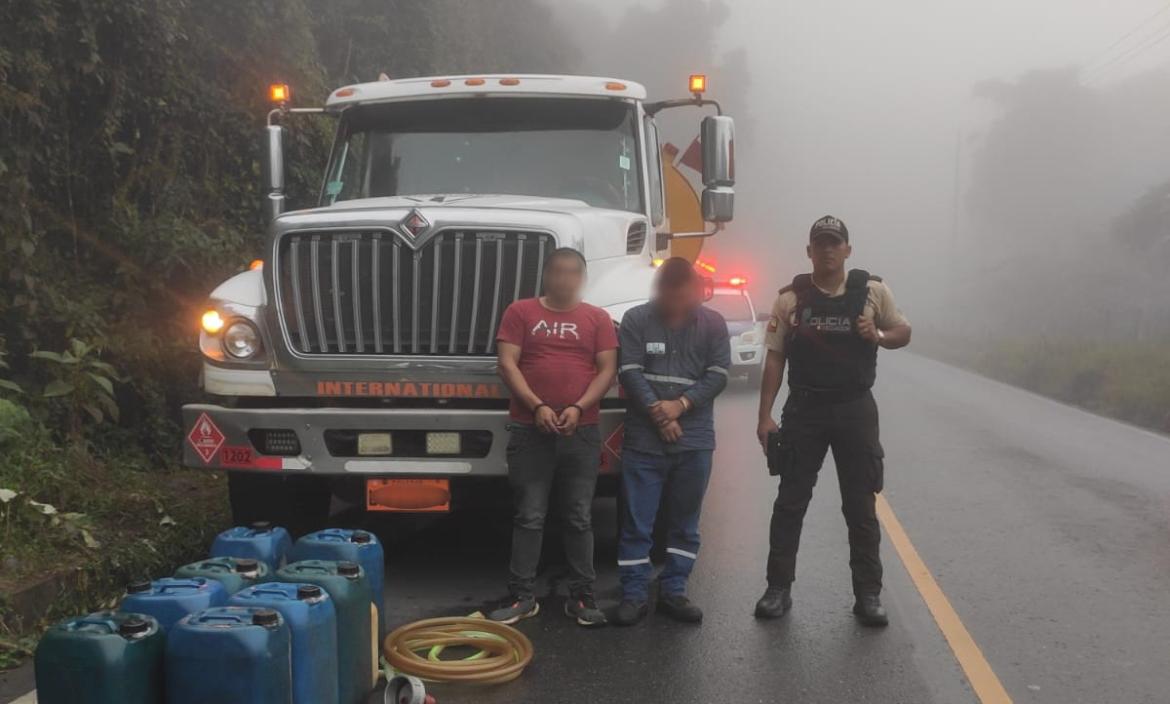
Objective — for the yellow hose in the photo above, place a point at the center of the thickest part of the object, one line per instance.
(414, 648)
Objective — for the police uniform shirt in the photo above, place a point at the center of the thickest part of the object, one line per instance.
(879, 305)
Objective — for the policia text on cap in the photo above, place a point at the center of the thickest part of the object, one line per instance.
(827, 325)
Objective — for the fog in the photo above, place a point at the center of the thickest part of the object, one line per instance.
(981, 153)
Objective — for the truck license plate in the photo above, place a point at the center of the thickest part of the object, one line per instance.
(375, 444)
(408, 495)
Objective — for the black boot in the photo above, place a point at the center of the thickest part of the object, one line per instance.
(869, 611)
(679, 608)
(630, 612)
(775, 602)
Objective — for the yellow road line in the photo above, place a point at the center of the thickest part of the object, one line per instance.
(979, 673)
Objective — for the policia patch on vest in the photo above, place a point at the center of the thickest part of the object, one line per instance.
(825, 351)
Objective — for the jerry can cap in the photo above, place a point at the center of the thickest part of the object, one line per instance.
(309, 591)
(345, 568)
(265, 617)
(247, 564)
(133, 627)
(360, 536)
(262, 526)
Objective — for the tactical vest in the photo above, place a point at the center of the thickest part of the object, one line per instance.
(823, 347)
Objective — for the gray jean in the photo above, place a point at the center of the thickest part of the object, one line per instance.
(541, 466)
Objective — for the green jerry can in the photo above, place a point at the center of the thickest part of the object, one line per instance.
(234, 573)
(357, 621)
(103, 658)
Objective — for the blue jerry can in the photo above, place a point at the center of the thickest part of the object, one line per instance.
(341, 544)
(312, 621)
(357, 637)
(260, 541)
(170, 599)
(240, 655)
(103, 658)
(234, 573)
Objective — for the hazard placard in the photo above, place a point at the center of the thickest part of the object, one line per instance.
(205, 437)
(614, 442)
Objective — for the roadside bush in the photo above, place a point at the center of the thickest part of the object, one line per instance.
(1126, 380)
(15, 424)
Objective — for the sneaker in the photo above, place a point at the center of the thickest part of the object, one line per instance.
(630, 612)
(679, 608)
(583, 607)
(775, 602)
(869, 611)
(512, 611)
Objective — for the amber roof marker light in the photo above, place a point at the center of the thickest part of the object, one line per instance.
(698, 84)
(279, 93)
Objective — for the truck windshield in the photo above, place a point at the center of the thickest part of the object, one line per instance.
(584, 149)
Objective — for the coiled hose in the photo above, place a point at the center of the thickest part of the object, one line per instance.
(414, 649)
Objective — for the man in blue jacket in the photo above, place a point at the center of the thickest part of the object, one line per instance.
(674, 359)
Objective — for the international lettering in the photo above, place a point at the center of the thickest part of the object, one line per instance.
(409, 389)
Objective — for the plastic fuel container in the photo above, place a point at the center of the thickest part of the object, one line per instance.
(312, 623)
(357, 637)
(260, 541)
(358, 546)
(170, 599)
(103, 658)
(234, 573)
(229, 655)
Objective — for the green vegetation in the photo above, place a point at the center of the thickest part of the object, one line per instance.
(1130, 382)
(129, 175)
(129, 172)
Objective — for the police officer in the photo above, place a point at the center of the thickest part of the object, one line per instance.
(827, 326)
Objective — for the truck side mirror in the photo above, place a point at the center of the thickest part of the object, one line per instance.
(718, 142)
(273, 170)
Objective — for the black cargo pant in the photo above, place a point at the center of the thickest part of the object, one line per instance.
(541, 466)
(810, 425)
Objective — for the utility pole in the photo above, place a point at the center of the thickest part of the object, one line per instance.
(955, 198)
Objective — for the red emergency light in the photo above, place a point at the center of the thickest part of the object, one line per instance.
(738, 281)
(705, 266)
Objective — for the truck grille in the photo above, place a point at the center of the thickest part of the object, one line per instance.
(371, 293)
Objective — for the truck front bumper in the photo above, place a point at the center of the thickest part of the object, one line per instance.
(224, 438)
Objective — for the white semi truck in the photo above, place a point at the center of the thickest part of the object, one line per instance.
(356, 358)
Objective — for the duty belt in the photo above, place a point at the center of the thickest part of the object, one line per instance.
(811, 393)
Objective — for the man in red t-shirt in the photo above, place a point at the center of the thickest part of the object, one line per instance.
(558, 356)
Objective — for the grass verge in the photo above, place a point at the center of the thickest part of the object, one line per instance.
(88, 522)
(1126, 380)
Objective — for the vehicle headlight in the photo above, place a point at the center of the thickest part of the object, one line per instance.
(750, 337)
(241, 340)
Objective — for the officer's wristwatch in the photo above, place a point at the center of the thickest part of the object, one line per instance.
(881, 336)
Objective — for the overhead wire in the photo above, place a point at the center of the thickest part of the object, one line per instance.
(1095, 70)
(1151, 41)
(1128, 34)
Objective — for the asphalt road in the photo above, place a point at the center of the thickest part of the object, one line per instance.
(1046, 528)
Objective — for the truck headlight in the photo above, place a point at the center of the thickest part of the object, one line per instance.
(241, 340)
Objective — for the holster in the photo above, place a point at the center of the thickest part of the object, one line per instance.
(781, 453)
